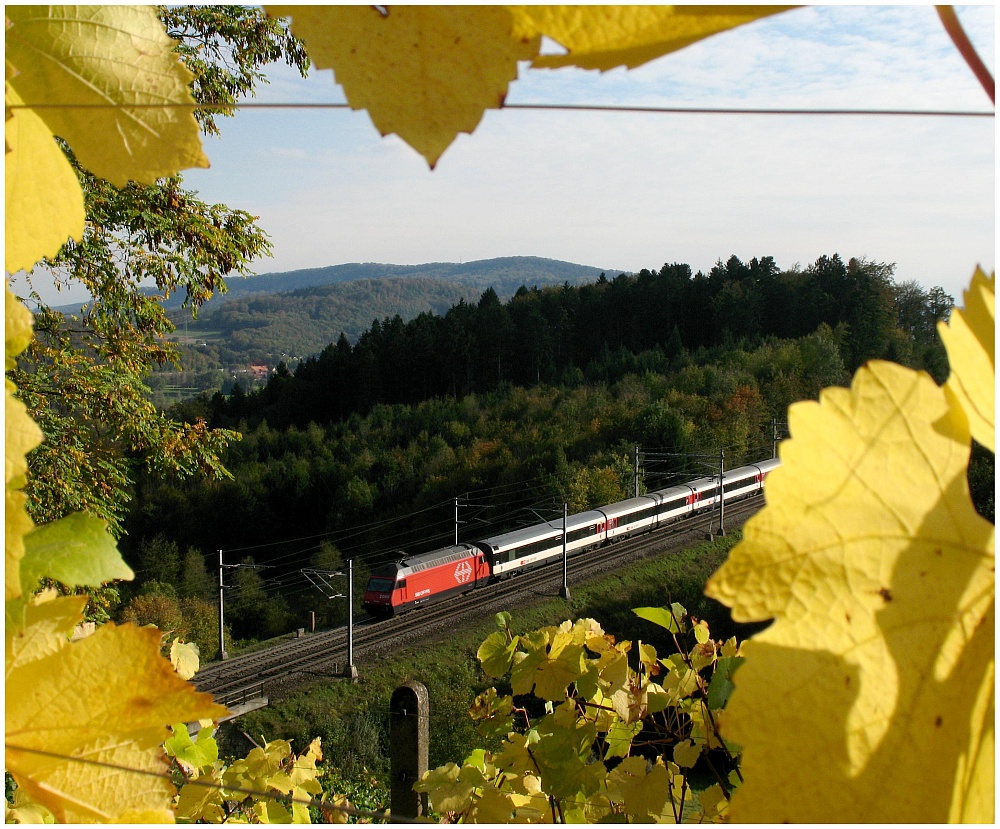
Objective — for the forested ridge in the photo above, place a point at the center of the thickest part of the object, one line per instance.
(513, 407)
(345, 298)
(505, 274)
(600, 331)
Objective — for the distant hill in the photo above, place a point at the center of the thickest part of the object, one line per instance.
(504, 274)
(268, 327)
(275, 316)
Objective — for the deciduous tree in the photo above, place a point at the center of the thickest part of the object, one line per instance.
(83, 376)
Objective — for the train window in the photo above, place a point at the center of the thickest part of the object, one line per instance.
(381, 585)
(401, 583)
(539, 546)
(535, 548)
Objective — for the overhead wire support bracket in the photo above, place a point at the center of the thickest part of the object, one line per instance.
(322, 581)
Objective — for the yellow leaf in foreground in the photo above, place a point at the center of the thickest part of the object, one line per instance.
(870, 698)
(16, 523)
(109, 63)
(18, 326)
(85, 720)
(43, 627)
(426, 73)
(184, 658)
(21, 433)
(971, 345)
(43, 196)
(21, 436)
(603, 37)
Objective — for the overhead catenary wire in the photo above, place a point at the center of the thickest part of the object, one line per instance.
(528, 494)
(424, 534)
(328, 534)
(287, 558)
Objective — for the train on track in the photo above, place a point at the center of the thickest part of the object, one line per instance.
(430, 577)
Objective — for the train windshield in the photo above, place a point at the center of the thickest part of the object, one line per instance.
(381, 585)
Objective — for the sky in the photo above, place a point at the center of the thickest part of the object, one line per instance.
(629, 191)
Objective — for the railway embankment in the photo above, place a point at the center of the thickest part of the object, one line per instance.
(352, 718)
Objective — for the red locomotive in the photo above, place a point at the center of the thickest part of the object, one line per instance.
(417, 580)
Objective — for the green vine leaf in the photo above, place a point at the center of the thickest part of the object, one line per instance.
(75, 550)
(670, 618)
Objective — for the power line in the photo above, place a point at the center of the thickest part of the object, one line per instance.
(656, 110)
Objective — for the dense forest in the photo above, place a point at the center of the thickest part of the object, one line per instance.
(510, 408)
(600, 332)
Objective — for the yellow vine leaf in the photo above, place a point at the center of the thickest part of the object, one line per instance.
(645, 795)
(18, 326)
(184, 658)
(870, 697)
(603, 37)
(16, 524)
(41, 627)
(111, 66)
(43, 195)
(64, 717)
(426, 73)
(116, 61)
(969, 339)
(21, 436)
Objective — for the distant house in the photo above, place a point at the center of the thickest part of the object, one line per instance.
(259, 372)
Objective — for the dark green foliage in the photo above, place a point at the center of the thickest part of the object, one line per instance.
(253, 610)
(602, 332)
(158, 560)
(983, 481)
(195, 581)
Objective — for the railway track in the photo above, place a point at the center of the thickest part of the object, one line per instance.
(242, 679)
